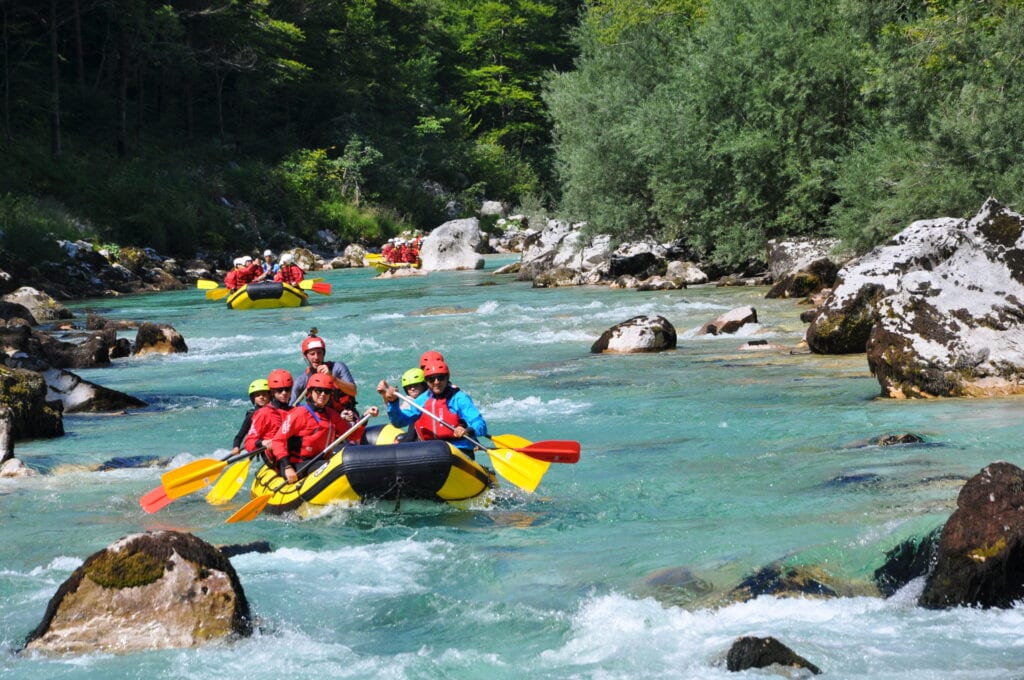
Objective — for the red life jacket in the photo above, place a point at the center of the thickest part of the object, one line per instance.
(290, 273)
(428, 428)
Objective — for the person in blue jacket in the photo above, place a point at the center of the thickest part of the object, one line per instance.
(446, 412)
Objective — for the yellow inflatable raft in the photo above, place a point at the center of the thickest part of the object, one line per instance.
(267, 295)
(426, 470)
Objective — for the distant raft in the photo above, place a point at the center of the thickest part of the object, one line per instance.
(425, 470)
(267, 295)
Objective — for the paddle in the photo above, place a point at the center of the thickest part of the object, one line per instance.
(206, 284)
(231, 481)
(195, 475)
(522, 470)
(155, 499)
(253, 508)
(551, 450)
(217, 293)
(315, 286)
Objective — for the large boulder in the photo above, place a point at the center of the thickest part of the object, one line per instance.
(981, 550)
(561, 245)
(158, 338)
(788, 256)
(645, 333)
(42, 307)
(78, 395)
(807, 281)
(938, 308)
(24, 393)
(952, 324)
(155, 590)
(453, 245)
(13, 310)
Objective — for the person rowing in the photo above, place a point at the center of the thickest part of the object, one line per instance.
(307, 428)
(444, 402)
(314, 350)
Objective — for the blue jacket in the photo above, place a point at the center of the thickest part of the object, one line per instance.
(459, 403)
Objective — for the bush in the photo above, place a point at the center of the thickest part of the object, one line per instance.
(29, 228)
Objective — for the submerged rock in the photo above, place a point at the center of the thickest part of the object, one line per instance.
(156, 590)
(754, 652)
(980, 559)
(782, 582)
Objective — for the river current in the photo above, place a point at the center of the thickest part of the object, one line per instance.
(699, 466)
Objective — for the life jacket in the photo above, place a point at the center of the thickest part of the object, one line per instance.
(428, 428)
(303, 447)
(339, 400)
(234, 279)
(290, 273)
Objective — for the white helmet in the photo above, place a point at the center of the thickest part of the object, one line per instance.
(246, 259)
(268, 252)
(238, 261)
(287, 258)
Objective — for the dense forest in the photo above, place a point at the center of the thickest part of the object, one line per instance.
(722, 122)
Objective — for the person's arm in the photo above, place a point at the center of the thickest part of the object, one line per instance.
(465, 409)
(343, 379)
(242, 432)
(278, 453)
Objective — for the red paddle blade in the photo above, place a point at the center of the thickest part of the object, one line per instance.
(322, 288)
(154, 500)
(553, 451)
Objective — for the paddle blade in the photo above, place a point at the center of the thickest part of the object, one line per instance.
(250, 510)
(206, 284)
(217, 293)
(229, 483)
(315, 286)
(191, 476)
(520, 470)
(551, 450)
(154, 500)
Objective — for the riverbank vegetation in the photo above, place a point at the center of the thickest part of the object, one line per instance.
(723, 122)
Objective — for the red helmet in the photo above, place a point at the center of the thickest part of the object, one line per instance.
(313, 342)
(279, 378)
(436, 368)
(430, 357)
(320, 380)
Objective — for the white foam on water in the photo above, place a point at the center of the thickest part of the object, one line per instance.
(531, 407)
(845, 637)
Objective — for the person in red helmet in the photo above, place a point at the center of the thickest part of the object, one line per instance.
(444, 401)
(266, 421)
(429, 357)
(314, 349)
(307, 429)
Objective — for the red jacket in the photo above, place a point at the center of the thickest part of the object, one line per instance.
(290, 273)
(266, 422)
(234, 279)
(250, 273)
(305, 432)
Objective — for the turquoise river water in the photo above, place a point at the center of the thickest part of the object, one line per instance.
(707, 459)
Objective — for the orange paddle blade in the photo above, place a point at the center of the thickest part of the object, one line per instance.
(250, 510)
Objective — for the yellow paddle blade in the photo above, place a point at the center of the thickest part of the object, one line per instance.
(206, 284)
(191, 476)
(511, 441)
(229, 483)
(217, 293)
(250, 510)
(518, 468)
